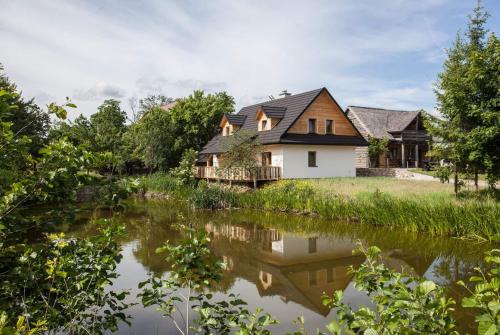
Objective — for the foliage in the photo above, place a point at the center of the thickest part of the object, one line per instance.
(212, 197)
(467, 96)
(195, 269)
(444, 173)
(154, 136)
(184, 172)
(108, 127)
(376, 147)
(25, 117)
(485, 296)
(62, 284)
(403, 304)
(240, 151)
(51, 284)
(196, 120)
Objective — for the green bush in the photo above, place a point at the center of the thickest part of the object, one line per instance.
(444, 173)
(160, 182)
(212, 198)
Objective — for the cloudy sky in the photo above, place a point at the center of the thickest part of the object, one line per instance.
(383, 53)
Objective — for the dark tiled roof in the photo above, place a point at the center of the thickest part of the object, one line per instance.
(291, 108)
(379, 122)
(236, 119)
(274, 112)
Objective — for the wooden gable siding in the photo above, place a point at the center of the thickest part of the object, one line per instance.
(322, 109)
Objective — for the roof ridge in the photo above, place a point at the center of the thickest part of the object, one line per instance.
(280, 99)
(384, 109)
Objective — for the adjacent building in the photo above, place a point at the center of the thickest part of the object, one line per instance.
(405, 130)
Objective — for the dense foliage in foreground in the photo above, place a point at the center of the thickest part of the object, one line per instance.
(48, 283)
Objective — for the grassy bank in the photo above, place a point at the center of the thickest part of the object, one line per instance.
(408, 205)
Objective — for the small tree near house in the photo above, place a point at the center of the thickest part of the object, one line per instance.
(241, 151)
(376, 147)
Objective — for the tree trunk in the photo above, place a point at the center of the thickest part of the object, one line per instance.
(476, 177)
(456, 179)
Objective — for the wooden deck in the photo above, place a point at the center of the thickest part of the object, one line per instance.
(238, 174)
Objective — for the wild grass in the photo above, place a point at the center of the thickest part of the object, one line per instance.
(438, 215)
(396, 204)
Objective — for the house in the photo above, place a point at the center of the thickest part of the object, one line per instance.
(305, 135)
(405, 130)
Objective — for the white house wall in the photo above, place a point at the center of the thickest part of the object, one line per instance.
(331, 161)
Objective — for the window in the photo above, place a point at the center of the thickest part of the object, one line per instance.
(311, 159)
(329, 127)
(264, 124)
(266, 158)
(227, 130)
(312, 126)
(313, 246)
(329, 275)
(313, 280)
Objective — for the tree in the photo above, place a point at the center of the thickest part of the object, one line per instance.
(154, 137)
(153, 101)
(196, 119)
(467, 98)
(108, 127)
(41, 283)
(241, 151)
(375, 148)
(26, 117)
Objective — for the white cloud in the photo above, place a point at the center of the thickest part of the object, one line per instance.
(99, 49)
(98, 92)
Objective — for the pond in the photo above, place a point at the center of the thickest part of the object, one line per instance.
(281, 262)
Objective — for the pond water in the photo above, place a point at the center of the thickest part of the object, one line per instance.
(281, 262)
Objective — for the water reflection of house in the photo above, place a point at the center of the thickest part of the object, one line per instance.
(295, 268)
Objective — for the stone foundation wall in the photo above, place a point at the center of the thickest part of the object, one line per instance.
(375, 172)
(362, 160)
(384, 172)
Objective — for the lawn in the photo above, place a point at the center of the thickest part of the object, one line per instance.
(461, 175)
(396, 187)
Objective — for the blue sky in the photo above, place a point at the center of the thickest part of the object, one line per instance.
(383, 53)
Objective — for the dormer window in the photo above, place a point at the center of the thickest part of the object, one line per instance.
(269, 116)
(227, 130)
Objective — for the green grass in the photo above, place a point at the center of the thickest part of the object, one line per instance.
(461, 175)
(415, 206)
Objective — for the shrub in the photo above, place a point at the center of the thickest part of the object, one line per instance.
(160, 182)
(184, 172)
(212, 197)
(444, 173)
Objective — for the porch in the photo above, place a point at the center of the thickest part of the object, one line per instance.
(261, 173)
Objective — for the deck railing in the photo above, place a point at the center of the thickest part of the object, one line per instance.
(242, 174)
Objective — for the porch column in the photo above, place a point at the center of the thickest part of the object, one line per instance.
(402, 155)
(416, 155)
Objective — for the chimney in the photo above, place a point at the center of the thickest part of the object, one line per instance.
(285, 93)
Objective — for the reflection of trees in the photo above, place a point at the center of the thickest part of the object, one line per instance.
(150, 224)
(448, 271)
